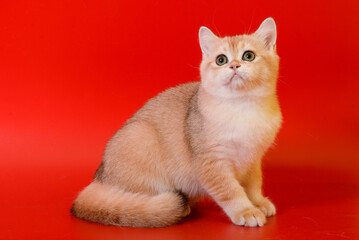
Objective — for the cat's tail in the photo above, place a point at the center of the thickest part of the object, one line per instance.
(111, 206)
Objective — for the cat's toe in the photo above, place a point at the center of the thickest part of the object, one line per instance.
(267, 207)
(250, 217)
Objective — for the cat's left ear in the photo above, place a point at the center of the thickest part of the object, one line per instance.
(267, 32)
(207, 40)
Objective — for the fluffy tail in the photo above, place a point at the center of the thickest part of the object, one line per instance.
(111, 206)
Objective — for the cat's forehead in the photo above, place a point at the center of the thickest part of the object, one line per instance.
(235, 43)
(240, 43)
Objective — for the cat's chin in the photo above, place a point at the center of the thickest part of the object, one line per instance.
(237, 78)
(237, 81)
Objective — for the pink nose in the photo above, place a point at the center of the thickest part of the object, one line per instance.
(234, 66)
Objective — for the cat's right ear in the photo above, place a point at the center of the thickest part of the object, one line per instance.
(206, 40)
(267, 32)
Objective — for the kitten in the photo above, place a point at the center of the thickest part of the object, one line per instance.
(195, 139)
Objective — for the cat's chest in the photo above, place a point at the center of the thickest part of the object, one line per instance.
(243, 132)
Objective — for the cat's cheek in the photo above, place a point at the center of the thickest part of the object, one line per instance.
(214, 79)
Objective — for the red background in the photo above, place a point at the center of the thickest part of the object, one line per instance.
(72, 72)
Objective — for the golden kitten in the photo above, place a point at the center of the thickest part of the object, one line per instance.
(195, 139)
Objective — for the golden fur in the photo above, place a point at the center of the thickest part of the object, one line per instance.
(195, 139)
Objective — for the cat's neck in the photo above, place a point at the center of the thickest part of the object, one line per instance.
(253, 97)
(229, 112)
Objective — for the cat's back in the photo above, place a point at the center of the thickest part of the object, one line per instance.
(169, 106)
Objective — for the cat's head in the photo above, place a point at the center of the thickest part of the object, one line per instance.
(240, 65)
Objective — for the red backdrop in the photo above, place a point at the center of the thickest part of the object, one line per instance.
(72, 72)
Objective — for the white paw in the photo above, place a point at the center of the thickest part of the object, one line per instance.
(250, 217)
(267, 207)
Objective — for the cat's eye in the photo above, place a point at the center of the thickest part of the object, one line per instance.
(221, 60)
(248, 56)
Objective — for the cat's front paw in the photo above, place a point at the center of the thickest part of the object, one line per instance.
(250, 217)
(267, 207)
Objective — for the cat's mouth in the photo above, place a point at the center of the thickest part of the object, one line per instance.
(237, 80)
(237, 76)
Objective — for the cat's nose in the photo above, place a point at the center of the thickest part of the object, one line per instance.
(234, 65)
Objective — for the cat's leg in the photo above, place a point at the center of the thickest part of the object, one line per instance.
(252, 183)
(218, 178)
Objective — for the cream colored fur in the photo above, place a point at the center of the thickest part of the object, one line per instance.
(193, 140)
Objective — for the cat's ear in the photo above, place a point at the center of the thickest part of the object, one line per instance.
(267, 32)
(206, 40)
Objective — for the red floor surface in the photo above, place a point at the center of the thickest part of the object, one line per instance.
(72, 72)
(311, 205)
